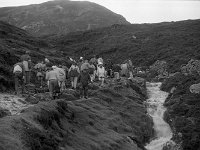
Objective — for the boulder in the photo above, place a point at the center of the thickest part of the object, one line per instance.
(192, 67)
(4, 112)
(32, 99)
(159, 68)
(139, 80)
(195, 88)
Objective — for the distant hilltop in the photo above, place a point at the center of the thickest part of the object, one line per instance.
(60, 17)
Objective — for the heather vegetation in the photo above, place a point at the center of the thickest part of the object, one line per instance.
(174, 42)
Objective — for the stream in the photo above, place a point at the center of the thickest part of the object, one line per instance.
(156, 110)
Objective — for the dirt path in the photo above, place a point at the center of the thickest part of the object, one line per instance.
(13, 103)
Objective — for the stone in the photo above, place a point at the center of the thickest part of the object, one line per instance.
(195, 88)
(4, 112)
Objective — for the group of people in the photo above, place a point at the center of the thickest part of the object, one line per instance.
(81, 71)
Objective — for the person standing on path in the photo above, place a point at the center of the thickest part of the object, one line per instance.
(85, 65)
(92, 71)
(18, 77)
(84, 79)
(40, 67)
(93, 60)
(73, 74)
(52, 78)
(101, 73)
(130, 68)
(116, 70)
(61, 77)
(26, 60)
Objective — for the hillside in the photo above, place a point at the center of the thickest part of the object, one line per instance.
(60, 17)
(113, 118)
(13, 43)
(175, 42)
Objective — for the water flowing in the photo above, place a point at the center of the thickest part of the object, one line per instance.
(156, 111)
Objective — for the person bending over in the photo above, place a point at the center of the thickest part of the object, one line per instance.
(52, 78)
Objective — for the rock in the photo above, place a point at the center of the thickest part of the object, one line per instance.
(192, 67)
(4, 112)
(93, 86)
(75, 93)
(32, 100)
(195, 88)
(140, 81)
(68, 97)
(159, 68)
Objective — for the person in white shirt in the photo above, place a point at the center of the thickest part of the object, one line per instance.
(18, 72)
(61, 78)
(101, 73)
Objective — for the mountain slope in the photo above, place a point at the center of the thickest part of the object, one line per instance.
(60, 17)
(13, 43)
(175, 42)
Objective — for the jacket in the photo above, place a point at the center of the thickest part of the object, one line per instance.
(100, 72)
(51, 75)
(74, 71)
(84, 78)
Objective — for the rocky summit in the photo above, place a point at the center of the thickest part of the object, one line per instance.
(60, 17)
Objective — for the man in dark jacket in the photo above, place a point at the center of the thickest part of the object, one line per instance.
(84, 79)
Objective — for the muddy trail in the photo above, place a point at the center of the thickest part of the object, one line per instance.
(12, 104)
(113, 118)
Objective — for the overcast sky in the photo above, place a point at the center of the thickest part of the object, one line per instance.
(139, 11)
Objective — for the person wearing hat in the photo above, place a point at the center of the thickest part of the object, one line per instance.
(80, 63)
(26, 60)
(18, 72)
(101, 73)
(52, 79)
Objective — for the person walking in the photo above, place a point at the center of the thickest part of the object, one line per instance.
(92, 71)
(61, 77)
(84, 79)
(101, 73)
(40, 67)
(18, 72)
(26, 60)
(52, 78)
(73, 74)
(85, 65)
(130, 69)
(116, 70)
(93, 60)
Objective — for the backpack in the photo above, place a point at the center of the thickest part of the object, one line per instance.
(61, 74)
(26, 65)
(91, 70)
(73, 73)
